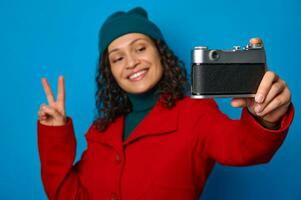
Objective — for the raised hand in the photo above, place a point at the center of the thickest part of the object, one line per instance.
(272, 99)
(54, 113)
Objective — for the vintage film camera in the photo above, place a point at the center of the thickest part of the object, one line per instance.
(227, 73)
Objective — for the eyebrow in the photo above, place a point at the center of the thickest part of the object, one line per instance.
(132, 42)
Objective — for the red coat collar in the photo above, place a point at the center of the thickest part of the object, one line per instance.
(160, 120)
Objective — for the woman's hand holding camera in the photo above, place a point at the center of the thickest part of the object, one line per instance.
(271, 102)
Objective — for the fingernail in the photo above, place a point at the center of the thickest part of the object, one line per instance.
(260, 114)
(257, 108)
(259, 98)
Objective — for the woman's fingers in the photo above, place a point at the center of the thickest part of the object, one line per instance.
(59, 103)
(265, 85)
(42, 114)
(50, 116)
(282, 99)
(48, 110)
(271, 101)
(276, 89)
(48, 92)
(61, 92)
(238, 102)
(54, 113)
(244, 102)
(275, 115)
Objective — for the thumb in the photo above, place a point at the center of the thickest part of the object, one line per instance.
(238, 102)
(50, 111)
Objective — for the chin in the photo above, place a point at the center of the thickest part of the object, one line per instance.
(138, 90)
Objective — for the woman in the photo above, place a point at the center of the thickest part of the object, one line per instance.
(150, 141)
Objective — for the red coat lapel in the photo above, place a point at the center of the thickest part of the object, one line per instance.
(111, 137)
(159, 120)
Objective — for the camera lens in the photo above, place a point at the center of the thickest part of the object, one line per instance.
(213, 55)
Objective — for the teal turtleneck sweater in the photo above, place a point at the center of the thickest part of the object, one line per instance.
(141, 105)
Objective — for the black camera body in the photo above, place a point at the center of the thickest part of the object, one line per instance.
(227, 73)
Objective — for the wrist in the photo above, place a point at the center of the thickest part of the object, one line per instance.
(269, 125)
(266, 124)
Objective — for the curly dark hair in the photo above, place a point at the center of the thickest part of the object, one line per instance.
(112, 101)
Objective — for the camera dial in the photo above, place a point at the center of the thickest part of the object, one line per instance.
(214, 55)
(200, 48)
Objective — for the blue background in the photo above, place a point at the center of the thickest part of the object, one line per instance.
(49, 38)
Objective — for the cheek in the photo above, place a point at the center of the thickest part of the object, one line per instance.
(156, 61)
(160, 73)
(116, 73)
(159, 69)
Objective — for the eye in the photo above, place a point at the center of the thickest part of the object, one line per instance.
(117, 59)
(141, 49)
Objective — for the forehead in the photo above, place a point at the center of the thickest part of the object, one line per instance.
(127, 39)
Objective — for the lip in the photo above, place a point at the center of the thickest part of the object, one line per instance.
(138, 78)
(135, 71)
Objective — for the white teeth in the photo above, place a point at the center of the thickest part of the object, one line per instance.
(136, 75)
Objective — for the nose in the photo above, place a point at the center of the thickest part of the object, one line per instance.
(132, 61)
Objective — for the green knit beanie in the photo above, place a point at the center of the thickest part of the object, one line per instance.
(120, 23)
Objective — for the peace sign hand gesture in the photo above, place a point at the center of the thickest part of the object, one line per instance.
(53, 114)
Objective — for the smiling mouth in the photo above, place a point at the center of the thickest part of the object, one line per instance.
(138, 75)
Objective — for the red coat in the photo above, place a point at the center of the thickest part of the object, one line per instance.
(168, 156)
